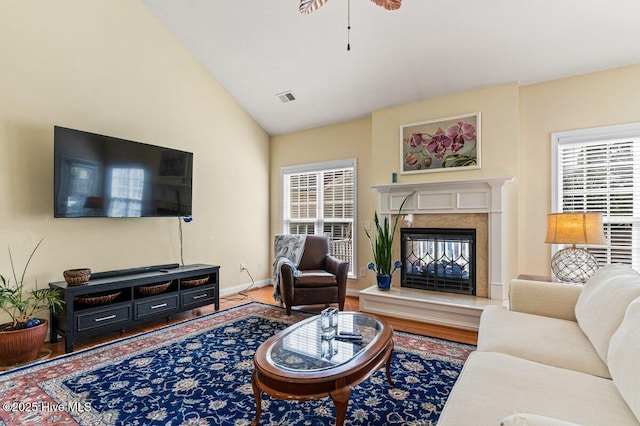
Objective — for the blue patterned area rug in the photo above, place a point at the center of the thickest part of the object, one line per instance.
(198, 372)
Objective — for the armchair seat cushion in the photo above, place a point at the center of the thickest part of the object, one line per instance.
(315, 278)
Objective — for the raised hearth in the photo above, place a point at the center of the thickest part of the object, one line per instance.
(453, 310)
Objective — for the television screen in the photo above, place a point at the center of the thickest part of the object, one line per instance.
(103, 176)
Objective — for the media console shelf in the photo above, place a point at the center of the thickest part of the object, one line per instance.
(116, 299)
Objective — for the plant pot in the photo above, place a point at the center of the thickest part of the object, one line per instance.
(21, 346)
(384, 282)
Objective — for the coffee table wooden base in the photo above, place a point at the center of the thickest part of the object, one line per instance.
(336, 383)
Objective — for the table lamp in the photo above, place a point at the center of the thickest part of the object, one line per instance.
(574, 264)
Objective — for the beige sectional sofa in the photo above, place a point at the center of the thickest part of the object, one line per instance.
(560, 355)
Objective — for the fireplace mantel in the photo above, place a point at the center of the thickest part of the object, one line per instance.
(457, 197)
(465, 196)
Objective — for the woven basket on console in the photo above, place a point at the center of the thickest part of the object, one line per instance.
(194, 282)
(77, 276)
(97, 299)
(150, 290)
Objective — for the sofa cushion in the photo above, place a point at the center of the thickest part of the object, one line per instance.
(550, 341)
(525, 419)
(493, 386)
(624, 350)
(603, 302)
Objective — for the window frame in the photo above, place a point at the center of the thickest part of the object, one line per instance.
(629, 131)
(323, 167)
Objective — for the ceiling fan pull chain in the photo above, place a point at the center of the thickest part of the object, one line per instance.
(348, 25)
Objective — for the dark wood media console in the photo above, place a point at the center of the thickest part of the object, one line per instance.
(114, 300)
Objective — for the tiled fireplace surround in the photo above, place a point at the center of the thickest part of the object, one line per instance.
(475, 204)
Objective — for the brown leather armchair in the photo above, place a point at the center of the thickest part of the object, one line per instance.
(322, 278)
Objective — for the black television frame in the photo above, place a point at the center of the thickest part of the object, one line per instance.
(86, 165)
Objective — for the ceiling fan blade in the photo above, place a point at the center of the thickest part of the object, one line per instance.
(308, 6)
(387, 4)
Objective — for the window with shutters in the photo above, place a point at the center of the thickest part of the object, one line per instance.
(598, 170)
(319, 199)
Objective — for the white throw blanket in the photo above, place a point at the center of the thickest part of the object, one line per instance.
(288, 249)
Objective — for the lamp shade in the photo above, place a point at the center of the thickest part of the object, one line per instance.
(575, 228)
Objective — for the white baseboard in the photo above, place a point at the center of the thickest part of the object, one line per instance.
(243, 287)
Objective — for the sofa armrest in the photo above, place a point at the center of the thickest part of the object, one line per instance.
(554, 300)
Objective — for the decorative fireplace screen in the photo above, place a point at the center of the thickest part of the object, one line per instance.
(439, 259)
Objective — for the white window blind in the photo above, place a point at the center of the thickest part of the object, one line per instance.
(319, 199)
(598, 170)
(303, 201)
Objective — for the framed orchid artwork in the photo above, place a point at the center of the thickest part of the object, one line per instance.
(445, 144)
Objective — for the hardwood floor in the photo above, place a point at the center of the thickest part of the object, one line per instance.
(264, 295)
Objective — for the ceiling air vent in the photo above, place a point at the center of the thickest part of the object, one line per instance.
(286, 96)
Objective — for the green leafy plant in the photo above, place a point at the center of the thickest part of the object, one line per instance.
(382, 241)
(21, 304)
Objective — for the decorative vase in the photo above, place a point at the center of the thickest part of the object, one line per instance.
(384, 282)
(21, 346)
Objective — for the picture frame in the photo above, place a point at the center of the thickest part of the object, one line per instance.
(440, 145)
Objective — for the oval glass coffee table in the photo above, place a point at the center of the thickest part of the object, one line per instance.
(303, 363)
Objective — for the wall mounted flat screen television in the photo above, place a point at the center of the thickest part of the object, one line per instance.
(104, 176)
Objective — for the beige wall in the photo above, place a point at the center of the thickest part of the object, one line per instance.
(111, 67)
(592, 100)
(376, 144)
(517, 123)
(340, 141)
(499, 109)
(499, 150)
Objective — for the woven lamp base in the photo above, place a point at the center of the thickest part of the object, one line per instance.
(574, 265)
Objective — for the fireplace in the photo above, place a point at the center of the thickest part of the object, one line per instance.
(439, 259)
(466, 204)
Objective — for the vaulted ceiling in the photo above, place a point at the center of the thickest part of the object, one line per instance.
(257, 49)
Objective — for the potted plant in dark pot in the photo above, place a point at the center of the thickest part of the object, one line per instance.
(22, 338)
(381, 247)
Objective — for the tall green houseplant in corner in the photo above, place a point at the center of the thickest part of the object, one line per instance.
(381, 247)
(22, 338)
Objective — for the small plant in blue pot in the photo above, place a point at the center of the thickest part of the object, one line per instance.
(381, 247)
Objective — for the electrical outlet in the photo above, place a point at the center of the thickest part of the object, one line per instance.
(367, 225)
(363, 272)
(242, 267)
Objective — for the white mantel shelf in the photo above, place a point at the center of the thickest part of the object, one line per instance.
(464, 196)
(498, 181)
